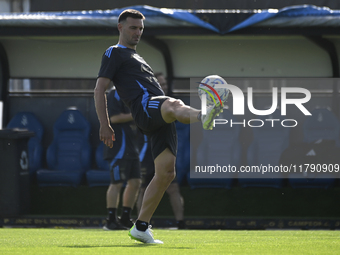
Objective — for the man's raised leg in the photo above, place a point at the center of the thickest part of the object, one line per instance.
(174, 109)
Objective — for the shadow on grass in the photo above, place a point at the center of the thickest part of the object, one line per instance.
(129, 245)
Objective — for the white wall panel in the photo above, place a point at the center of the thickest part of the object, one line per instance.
(54, 57)
(233, 56)
(248, 56)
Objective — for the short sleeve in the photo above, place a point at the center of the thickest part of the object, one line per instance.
(110, 63)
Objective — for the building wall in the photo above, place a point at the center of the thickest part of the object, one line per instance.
(248, 56)
(42, 57)
(233, 56)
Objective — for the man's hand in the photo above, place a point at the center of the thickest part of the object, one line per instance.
(107, 135)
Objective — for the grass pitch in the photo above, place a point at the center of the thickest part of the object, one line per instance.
(96, 241)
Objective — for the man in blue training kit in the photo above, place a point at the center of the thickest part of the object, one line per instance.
(148, 171)
(153, 112)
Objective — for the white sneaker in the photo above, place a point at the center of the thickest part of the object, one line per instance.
(143, 236)
(212, 112)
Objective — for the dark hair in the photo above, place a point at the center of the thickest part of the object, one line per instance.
(130, 13)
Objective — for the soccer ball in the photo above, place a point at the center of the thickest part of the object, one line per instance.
(209, 82)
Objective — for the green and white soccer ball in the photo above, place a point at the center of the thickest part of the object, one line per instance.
(207, 87)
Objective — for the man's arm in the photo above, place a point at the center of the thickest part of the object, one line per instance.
(121, 118)
(106, 133)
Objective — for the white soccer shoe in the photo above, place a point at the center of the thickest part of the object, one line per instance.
(212, 112)
(143, 236)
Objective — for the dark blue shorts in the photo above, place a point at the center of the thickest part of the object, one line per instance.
(123, 170)
(149, 120)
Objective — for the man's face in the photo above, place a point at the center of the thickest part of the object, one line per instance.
(131, 31)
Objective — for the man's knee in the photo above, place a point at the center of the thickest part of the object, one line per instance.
(171, 175)
(169, 109)
(167, 176)
(136, 183)
(116, 186)
(175, 104)
(165, 166)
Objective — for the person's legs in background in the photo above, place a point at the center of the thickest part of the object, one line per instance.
(124, 171)
(177, 203)
(112, 202)
(129, 199)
